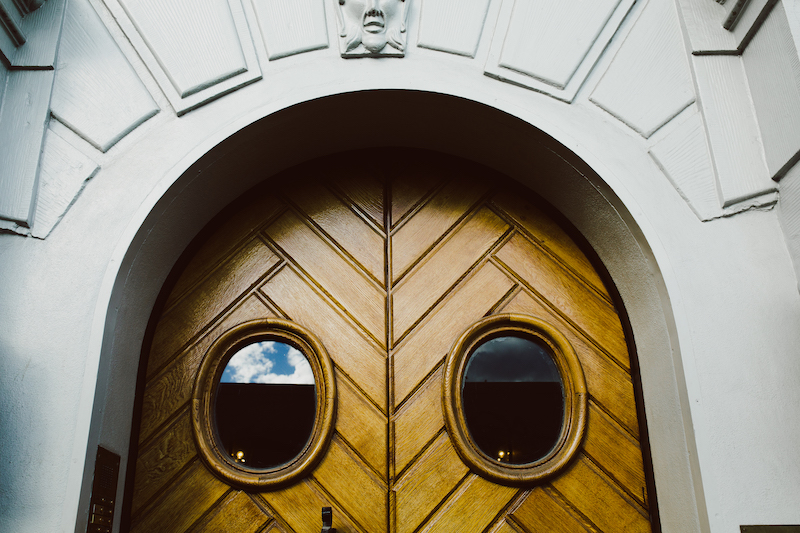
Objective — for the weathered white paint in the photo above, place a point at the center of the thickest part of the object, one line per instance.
(23, 117)
(686, 161)
(713, 305)
(649, 81)
(789, 214)
(552, 46)
(773, 74)
(42, 29)
(704, 24)
(195, 42)
(96, 91)
(732, 129)
(750, 19)
(453, 26)
(197, 51)
(64, 171)
(388, 36)
(291, 26)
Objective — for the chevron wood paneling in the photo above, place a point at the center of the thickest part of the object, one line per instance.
(322, 254)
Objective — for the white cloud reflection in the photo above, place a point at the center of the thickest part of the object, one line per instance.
(268, 362)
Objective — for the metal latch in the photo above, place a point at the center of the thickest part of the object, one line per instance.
(327, 520)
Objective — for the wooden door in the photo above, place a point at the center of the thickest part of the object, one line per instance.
(387, 267)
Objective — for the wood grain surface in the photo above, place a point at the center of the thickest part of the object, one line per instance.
(387, 269)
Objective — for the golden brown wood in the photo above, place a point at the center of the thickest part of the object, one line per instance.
(355, 487)
(418, 421)
(349, 231)
(350, 350)
(169, 452)
(597, 497)
(172, 388)
(362, 425)
(352, 290)
(616, 452)
(409, 190)
(444, 267)
(219, 291)
(388, 295)
(567, 294)
(472, 507)
(366, 192)
(432, 222)
(232, 233)
(190, 497)
(432, 338)
(532, 220)
(503, 527)
(433, 476)
(540, 512)
(237, 514)
(300, 506)
(608, 383)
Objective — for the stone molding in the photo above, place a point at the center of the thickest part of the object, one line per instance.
(649, 64)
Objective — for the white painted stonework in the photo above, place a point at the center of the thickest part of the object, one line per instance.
(372, 28)
(670, 142)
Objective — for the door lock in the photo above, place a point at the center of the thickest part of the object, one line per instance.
(327, 520)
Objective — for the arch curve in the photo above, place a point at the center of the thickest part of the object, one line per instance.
(191, 196)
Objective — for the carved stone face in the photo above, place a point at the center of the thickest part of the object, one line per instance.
(367, 26)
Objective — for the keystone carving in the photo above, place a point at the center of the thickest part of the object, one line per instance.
(372, 28)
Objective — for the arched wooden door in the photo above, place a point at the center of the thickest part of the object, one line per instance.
(387, 256)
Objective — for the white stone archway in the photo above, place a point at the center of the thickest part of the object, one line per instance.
(664, 147)
(192, 192)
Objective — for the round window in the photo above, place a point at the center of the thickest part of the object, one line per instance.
(514, 399)
(263, 404)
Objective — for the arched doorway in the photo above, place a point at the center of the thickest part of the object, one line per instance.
(387, 265)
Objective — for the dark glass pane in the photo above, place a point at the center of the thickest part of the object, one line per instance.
(513, 399)
(265, 404)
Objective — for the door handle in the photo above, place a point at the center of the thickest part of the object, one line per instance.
(327, 520)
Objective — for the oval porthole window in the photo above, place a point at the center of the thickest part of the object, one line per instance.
(266, 390)
(505, 376)
(514, 399)
(264, 403)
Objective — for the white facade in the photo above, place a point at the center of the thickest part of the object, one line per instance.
(669, 141)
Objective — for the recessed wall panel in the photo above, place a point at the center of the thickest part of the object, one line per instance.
(552, 46)
(197, 50)
(291, 26)
(684, 157)
(649, 80)
(453, 26)
(195, 41)
(97, 93)
(548, 40)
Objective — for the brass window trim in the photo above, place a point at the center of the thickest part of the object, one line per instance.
(203, 396)
(575, 399)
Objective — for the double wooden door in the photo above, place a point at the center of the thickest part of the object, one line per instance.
(387, 256)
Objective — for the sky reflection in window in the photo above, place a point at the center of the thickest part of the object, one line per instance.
(268, 362)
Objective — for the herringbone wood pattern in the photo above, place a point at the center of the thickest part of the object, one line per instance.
(387, 268)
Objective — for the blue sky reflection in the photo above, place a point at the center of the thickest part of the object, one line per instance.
(268, 362)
